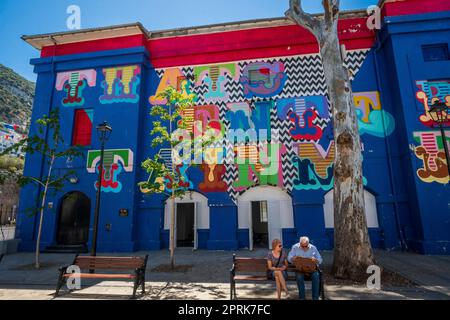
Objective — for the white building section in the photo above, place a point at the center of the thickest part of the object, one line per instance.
(370, 204)
(280, 211)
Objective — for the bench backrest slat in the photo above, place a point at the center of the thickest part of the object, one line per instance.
(250, 265)
(117, 263)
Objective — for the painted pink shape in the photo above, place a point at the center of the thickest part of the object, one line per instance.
(430, 145)
(90, 75)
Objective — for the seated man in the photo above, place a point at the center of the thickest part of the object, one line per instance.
(306, 250)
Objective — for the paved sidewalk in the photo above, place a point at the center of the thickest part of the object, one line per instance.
(430, 272)
(209, 278)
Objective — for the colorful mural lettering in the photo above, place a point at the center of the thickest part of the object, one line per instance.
(114, 161)
(315, 167)
(183, 182)
(304, 112)
(243, 118)
(121, 85)
(372, 119)
(213, 178)
(207, 117)
(430, 92)
(215, 77)
(261, 79)
(74, 82)
(285, 141)
(258, 165)
(431, 152)
(174, 78)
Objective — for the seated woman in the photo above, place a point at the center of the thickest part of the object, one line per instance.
(277, 264)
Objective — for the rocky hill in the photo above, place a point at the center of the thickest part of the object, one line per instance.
(16, 97)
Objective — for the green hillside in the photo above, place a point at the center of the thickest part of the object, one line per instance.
(16, 97)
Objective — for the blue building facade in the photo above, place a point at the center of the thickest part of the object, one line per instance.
(245, 78)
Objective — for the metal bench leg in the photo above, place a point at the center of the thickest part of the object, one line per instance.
(60, 282)
(137, 282)
(143, 282)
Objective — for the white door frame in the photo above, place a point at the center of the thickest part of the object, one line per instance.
(195, 227)
(269, 194)
(250, 227)
(274, 221)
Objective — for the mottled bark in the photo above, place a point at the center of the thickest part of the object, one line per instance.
(352, 249)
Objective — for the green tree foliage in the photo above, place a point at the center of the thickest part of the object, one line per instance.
(167, 116)
(49, 143)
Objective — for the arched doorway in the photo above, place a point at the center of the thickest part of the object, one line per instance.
(191, 215)
(265, 211)
(74, 219)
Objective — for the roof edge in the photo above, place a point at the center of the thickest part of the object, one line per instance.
(39, 41)
(33, 39)
(244, 24)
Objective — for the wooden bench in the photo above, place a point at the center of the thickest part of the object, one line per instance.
(255, 269)
(90, 264)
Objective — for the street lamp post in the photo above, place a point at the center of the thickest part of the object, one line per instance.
(103, 131)
(439, 112)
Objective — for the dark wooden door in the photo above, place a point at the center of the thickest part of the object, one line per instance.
(185, 224)
(74, 219)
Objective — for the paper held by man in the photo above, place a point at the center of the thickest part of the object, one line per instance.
(304, 265)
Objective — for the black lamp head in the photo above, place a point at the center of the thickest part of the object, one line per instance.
(104, 130)
(439, 112)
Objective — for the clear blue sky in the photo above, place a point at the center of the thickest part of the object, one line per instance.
(29, 17)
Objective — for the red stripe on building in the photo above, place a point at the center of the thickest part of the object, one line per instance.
(225, 46)
(95, 45)
(402, 7)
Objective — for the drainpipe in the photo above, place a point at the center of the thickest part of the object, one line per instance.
(388, 150)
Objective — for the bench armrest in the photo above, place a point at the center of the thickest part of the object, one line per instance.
(145, 262)
(233, 270)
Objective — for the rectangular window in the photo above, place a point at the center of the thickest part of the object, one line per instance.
(82, 128)
(263, 211)
(435, 52)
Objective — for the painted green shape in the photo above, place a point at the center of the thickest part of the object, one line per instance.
(231, 67)
(244, 180)
(74, 78)
(110, 157)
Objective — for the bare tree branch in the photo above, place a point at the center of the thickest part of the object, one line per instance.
(302, 18)
(331, 9)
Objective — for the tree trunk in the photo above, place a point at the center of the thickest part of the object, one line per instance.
(172, 232)
(41, 218)
(352, 249)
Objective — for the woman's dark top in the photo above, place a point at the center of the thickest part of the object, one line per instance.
(274, 260)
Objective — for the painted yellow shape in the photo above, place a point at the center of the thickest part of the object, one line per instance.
(321, 162)
(127, 76)
(363, 101)
(169, 79)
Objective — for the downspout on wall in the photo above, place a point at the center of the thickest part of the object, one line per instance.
(402, 239)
